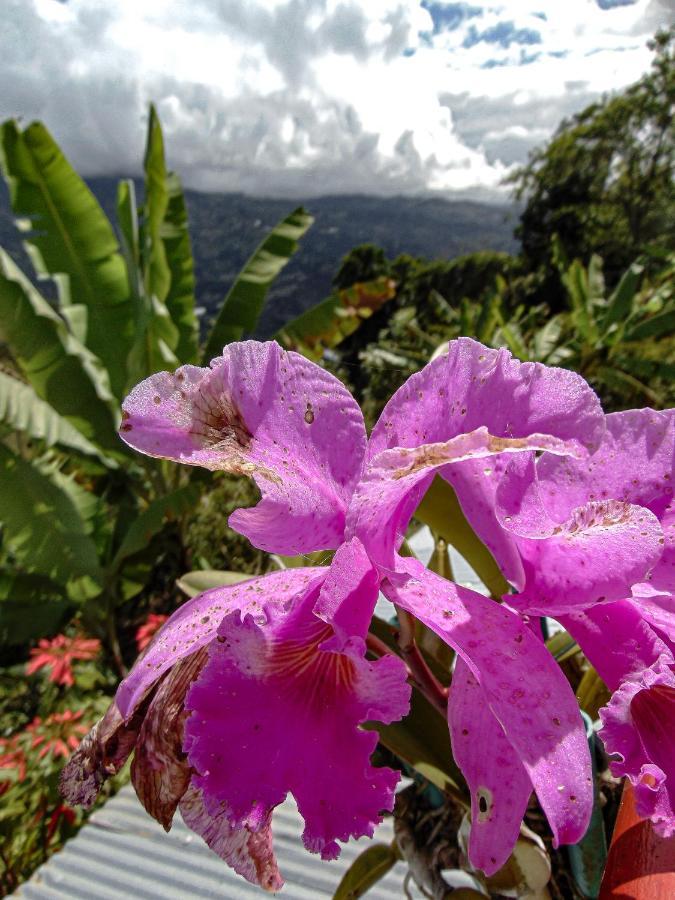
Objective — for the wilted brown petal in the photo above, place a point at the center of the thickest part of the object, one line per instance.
(249, 853)
(101, 753)
(160, 772)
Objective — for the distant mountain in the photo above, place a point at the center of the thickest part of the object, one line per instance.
(226, 228)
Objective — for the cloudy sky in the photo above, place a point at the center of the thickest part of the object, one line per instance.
(307, 97)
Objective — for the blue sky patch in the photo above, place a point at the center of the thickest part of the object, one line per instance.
(449, 16)
(611, 4)
(504, 34)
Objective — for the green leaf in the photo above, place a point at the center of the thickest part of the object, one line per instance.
(662, 325)
(153, 519)
(242, 306)
(157, 275)
(44, 530)
(334, 319)
(620, 303)
(60, 369)
(30, 606)
(180, 301)
(440, 510)
(367, 869)
(422, 740)
(22, 410)
(69, 238)
(193, 583)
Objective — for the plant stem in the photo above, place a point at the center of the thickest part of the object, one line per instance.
(422, 675)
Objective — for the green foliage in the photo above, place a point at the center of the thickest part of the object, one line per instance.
(329, 323)
(604, 184)
(367, 869)
(241, 308)
(69, 238)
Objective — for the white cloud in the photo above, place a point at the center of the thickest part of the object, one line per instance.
(306, 97)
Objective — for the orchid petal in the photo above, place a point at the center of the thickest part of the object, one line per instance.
(635, 464)
(348, 595)
(637, 729)
(616, 640)
(195, 624)
(273, 712)
(526, 690)
(249, 853)
(272, 415)
(500, 787)
(465, 406)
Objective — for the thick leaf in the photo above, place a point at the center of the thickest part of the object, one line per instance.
(193, 583)
(60, 369)
(30, 606)
(367, 869)
(242, 306)
(68, 237)
(334, 319)
(153, 519)
(440, 510)
(180, 301)
(22, 410)
(44, 529)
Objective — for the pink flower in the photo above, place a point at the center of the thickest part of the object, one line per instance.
(597, 542)
(146, 632)
(251, 691)
(58, 655)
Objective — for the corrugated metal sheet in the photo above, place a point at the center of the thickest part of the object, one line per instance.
(123, 854)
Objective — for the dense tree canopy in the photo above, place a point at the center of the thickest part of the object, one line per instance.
(604, 183)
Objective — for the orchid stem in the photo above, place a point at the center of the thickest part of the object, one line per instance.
(424, 678)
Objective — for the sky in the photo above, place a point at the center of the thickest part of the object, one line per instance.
(299, 98)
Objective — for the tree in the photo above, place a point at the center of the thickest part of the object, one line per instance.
(604, 183)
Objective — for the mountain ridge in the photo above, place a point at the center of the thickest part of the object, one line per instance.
(226, 228)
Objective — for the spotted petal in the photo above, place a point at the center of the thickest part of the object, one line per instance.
(272, 415)
(596, 555)
(526, 690)
(195, 625)
(638, 728)
(274, 710)
(500, 787)
(466, 406)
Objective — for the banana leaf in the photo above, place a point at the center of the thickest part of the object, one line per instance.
(23, 411)
(69, 238)
(60, 369)
(244, 303)
(44, 530)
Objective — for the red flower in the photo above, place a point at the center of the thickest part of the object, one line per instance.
(58, 655)
(149, 629)
(61, 812)
(12, 756)
(59, 734)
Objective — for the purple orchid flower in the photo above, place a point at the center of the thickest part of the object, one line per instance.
(597, 539)
(254, 690)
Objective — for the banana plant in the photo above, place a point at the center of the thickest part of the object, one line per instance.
(81, 521)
